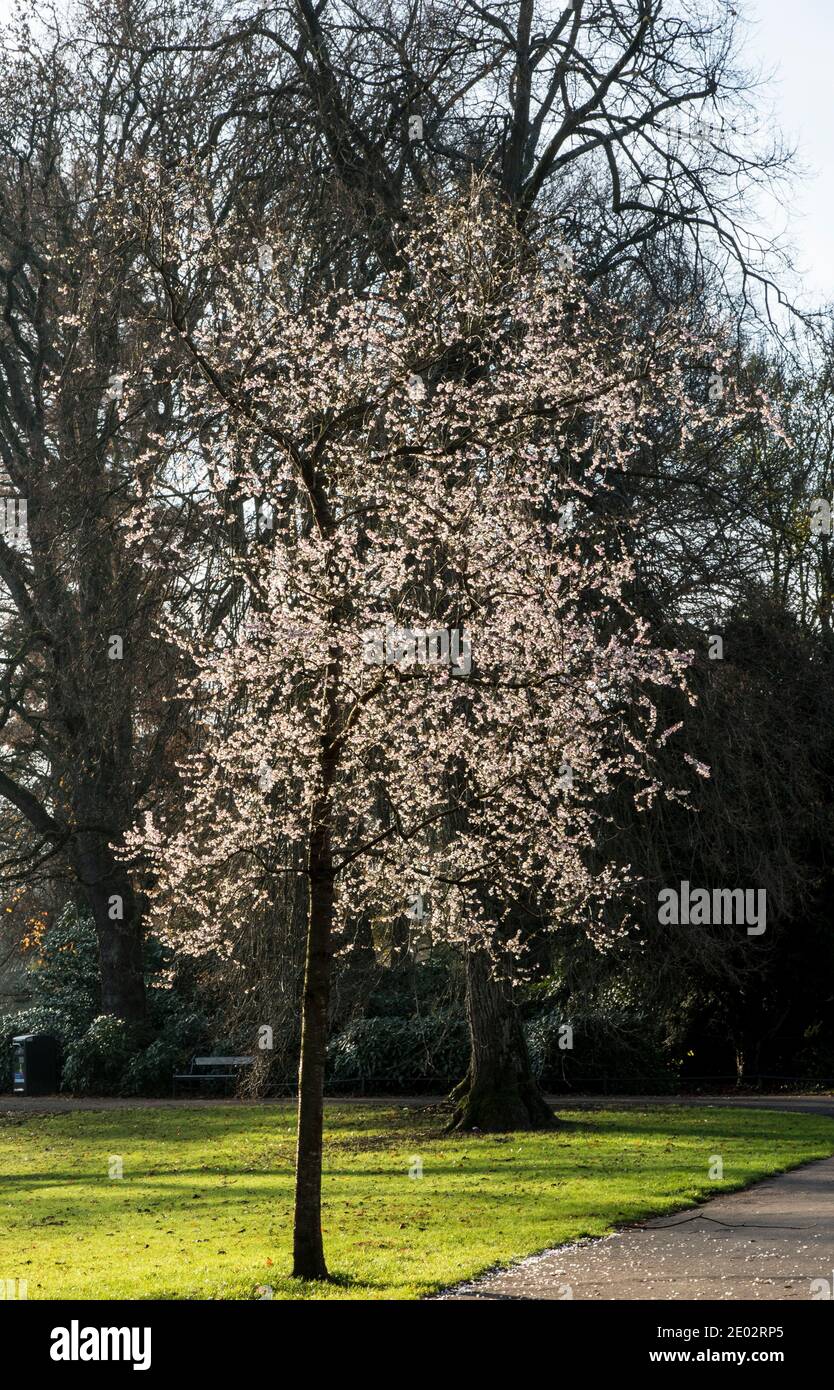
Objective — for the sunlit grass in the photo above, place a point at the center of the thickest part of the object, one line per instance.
(204, 1207)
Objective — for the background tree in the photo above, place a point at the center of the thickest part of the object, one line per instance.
(87, 715)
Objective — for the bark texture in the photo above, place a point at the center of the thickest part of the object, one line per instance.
(308, 1246)
(499, 1092)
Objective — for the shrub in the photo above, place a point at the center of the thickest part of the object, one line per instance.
(400, 1051)
(614, 1048)
(96, 1061)
(149, 1070)
(101, 1055)
(64, 984)
(64, 978)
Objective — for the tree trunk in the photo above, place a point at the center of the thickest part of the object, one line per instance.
(122, 971)
(308, 1246)
(118, 922)
(499, 1092)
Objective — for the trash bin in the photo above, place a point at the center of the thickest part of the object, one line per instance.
(34, 1064)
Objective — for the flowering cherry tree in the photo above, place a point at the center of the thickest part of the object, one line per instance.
(439, 678)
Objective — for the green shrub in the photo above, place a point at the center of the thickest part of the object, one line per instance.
(65, 976)
(96, 1061)
(433, 986)
(614, 1048)
(64, 985)
(400, 1051)
(150, 1069)
(101, 1055)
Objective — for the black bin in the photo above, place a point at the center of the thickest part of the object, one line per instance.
(34, 1064)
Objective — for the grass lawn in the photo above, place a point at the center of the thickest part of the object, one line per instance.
(204, 1207)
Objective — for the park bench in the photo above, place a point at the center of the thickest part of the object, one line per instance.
(224, 1069)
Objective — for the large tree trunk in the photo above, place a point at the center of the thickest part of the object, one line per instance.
(500, 1091)
(118, 922)
(120, 957)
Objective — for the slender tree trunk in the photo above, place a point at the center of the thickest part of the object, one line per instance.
(500, 1091)
(308, 1246)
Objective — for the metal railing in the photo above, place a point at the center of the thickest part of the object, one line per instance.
(606, 1083)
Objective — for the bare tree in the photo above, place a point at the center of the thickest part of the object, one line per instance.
(86, 430)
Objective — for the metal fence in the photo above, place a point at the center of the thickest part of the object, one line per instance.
(605, 1084)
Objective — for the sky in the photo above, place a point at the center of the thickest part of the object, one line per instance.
(794, 39)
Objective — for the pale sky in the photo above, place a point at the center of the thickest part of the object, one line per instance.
(795, 39)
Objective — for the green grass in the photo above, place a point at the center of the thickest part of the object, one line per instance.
(204, 1207)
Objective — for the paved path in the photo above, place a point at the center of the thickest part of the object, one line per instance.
(770, 1242)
